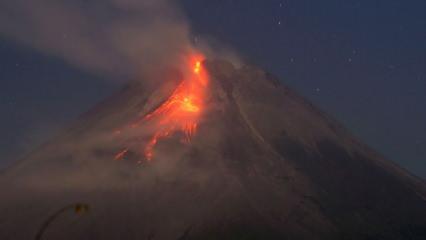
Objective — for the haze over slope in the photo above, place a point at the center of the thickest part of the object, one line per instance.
(263, 164)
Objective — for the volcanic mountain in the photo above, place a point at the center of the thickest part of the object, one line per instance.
(259, 162)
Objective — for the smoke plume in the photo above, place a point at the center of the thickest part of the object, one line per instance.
(115, 38)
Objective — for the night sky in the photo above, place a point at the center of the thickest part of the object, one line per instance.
(361, 61)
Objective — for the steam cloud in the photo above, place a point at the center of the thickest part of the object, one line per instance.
(120, 38)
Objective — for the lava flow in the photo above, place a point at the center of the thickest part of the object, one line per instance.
(179, 113)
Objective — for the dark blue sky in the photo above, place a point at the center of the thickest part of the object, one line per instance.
(364, 62)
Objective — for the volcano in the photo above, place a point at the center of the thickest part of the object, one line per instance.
(259, 162)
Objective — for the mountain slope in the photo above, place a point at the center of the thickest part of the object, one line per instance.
(264, 164)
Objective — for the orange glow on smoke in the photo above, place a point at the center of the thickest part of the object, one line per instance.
(179, 113)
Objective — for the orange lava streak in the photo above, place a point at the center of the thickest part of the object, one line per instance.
(180, 112)
(120, 155)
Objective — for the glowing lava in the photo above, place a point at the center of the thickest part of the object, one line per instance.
(120, 155)
(179, 113)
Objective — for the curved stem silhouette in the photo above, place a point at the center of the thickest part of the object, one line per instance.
(79, 208)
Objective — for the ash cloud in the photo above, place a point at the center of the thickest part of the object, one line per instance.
(116, 38)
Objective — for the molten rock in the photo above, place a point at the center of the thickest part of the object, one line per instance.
(262, 164)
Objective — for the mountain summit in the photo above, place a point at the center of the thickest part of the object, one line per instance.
(259, 162)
